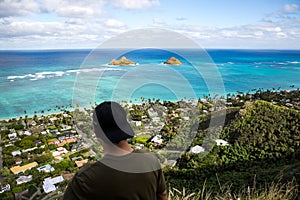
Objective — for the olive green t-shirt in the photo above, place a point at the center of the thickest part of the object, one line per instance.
(135, 176)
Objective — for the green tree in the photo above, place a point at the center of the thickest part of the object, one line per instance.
(5, 171)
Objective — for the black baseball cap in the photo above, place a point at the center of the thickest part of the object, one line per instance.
(110, 122)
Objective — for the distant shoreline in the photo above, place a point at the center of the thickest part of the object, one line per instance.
(39, 114)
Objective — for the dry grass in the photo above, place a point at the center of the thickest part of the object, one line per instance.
(276, 191)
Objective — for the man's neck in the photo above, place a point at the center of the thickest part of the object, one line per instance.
(120, 149)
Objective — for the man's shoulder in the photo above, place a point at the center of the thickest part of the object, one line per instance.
(136, 162)
(87, 168)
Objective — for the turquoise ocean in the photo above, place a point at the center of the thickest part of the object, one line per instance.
(42, 80)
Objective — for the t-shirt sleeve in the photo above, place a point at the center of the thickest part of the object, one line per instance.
(74, 190)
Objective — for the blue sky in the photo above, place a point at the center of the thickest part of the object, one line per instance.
(61, 24)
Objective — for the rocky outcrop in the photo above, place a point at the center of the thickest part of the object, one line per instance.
(173, 61)
(123, 61)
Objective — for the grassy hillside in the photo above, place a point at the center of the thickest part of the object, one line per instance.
(264, 148)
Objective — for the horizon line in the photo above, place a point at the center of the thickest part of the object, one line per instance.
(61, 49)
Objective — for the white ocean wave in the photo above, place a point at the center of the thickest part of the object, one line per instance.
(282, 63)
(42, 75)
(21, 77)
(293, 62)
(53, 74)
(92, 70)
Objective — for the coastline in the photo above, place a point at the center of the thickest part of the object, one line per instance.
(139, 102)
(53, 82)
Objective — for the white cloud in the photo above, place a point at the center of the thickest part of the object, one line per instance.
(267, 27)
(113, 23)
(84, 23)
(291, 7)
(258, 33)
(227, 33)
(24, 28)
(273, 34)
(69, 34)
(134, 4)
(197, 35)
(281, 35)
(75, 9)
(63, 8)
(9, 8)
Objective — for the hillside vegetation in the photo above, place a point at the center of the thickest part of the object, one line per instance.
(264, 149)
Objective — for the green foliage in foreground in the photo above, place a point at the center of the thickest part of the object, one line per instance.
(264, 145)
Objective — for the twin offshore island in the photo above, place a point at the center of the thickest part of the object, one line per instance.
(123, 61)
(259, 142)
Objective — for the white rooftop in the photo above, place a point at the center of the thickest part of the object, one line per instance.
(157, 139)
(49, 183)
(46, 168)
(24, 179)
(197, 149)
(221, 142)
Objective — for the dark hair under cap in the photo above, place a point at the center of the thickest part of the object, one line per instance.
(110, 123)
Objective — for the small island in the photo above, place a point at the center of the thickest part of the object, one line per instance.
(173, 61)
(122, 62)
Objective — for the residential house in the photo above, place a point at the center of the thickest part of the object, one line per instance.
(65, 128)
(24, 179)
(59, 151)
(30, 149)
(157, 139)
(197, 149)
(66, 115)
(221, 142)
(18, 161)
(12, 136)
(32, 123)
(44, 133)
(53, 119)
(27, 133)
(54, 142)
(17, 169)
(49, 183)
(70, 140)
(80, 163)
(76, 158)
(5, 188)
(46, 168)
(16, 153)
